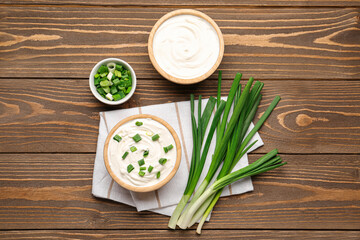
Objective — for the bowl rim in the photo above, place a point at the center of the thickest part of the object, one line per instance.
(93, 88)
(185, 12)
(157, 185)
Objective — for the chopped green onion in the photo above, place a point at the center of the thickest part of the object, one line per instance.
(146, 153)
(109, 96)
(116, 97)
(141, 174)
(117, 138)
(141, 162)
(136, 138)
(116, 81)
(97, 81)
(168, 148)
(150, 168)
(106, 89)
(158, 175)
(122, 94)
(130, 168)
(128, 90)
(138, 123)
(103, 69)
(110, 76)
(105, 83)
(155, 137)
(133, 148)
(117, 73)
(101, 91)
(142, 168)
(125, 155)
(119, 67)
(113, 89)
(162, 161)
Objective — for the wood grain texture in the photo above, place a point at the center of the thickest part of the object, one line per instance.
(189, 235)
(59, 115)
(190, 3)
(268, 43)
(53, 191)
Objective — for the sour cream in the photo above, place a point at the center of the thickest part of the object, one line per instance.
(149, 128)
(186, 46)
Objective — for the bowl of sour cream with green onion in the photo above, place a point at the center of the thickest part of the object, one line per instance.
(186, 46)
(112, 81)
(142, 153)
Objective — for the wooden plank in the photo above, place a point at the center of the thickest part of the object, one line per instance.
(166, 234)
(268, 43)
(189, 3)
(53, 191)
(59, 115)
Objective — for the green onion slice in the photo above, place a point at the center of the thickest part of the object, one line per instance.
(138, 123)
(125, 155)
(130, 168)
(136, 138)
(150, 168)
(168, 148)
(155, 137)
(146, 153)
(141, 162)
(117, 138)
(162, 161)
(133, 148)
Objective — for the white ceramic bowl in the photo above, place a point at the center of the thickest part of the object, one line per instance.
(105, 62)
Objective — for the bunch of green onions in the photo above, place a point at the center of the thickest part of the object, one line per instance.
(231, 144)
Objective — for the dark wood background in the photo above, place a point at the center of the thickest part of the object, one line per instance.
(308, 52)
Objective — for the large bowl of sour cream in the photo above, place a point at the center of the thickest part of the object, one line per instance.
(142, 153)
(186, 46)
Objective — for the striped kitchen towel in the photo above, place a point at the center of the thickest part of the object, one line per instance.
(163, 200)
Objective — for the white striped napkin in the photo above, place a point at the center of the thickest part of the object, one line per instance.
(163, 200)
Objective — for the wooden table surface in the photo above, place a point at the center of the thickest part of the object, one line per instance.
(308, 52)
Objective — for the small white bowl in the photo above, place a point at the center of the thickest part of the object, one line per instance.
(105, 62)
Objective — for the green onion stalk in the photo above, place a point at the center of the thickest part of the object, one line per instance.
(205, 210)
(225, 133)
(231, 144)
(268, 162)
(197, 162)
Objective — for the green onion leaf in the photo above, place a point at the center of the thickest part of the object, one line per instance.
(158, 175)
(142, 168)
(133, 148)
(150, 168)
(141, 174)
